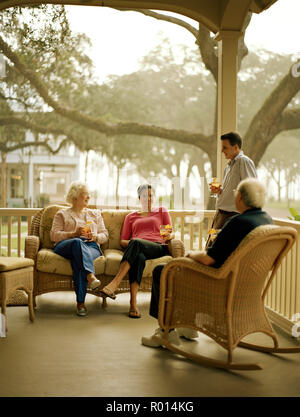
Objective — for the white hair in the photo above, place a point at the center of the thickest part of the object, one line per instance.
(74, 190)
(253, 192)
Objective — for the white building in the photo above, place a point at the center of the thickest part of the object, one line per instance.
(34, 175)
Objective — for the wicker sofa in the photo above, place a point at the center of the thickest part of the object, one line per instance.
(52, 272)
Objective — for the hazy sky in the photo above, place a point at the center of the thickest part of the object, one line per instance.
(120, 39)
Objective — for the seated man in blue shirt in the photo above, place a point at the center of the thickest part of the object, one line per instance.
(249, 200)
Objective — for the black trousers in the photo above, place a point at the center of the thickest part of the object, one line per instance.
(154, 303)
(136, 254)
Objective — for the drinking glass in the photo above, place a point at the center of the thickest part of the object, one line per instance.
(213, 233)
(165, 229)
(88, 228)
(216, 184)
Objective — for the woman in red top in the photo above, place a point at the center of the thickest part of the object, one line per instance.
(142, 240)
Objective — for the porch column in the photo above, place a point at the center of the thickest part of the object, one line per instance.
(227, 89)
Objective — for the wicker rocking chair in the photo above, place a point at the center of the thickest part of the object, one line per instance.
(226, 304)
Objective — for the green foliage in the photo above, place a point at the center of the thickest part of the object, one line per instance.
(163, 92)
(281, 160)
(260, 73)
(166, 91)
(295, 214)
(42, 37)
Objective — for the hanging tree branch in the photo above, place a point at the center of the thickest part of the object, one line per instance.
(4, 147)
(165, 18)
(97, 124)
(273, 117)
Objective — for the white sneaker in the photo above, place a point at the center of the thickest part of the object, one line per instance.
(81, 311)
(187, 333)
(156, 339)
(94, 284)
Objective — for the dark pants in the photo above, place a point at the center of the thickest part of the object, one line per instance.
(82, 255)
(154, 303)
(136, 254)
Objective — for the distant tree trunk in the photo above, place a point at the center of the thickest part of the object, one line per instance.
(117, 187)
(3, 179)
(279, 185)
(86, 166)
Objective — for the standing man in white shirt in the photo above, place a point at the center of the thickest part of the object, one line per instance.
(238, 168)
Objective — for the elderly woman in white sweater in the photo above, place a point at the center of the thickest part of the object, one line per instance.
(78, 232)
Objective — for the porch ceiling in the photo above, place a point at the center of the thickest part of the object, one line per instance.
(217, 15)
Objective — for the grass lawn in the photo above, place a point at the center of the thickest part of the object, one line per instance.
(283, 204)
(14, 228)
(14, 239)
(14, 245)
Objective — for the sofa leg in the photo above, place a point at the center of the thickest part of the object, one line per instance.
(104, 303)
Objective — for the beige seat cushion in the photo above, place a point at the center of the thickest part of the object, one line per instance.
(14, 262)
(114, 256)
(48, 261)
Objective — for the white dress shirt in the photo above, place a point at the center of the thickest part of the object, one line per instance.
(238, 169)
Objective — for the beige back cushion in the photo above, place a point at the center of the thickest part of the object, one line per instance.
(113, 220)
(46, 224)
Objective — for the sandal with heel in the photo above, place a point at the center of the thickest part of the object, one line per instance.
(112, 295)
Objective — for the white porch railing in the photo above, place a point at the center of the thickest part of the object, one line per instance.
(283, 297)
(12, 221)
(282, 300)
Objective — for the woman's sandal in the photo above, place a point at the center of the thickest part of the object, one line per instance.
(134, 314)
(112, 295)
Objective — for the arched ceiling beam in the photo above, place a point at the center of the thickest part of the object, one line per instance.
(234, 14)
(216, 15)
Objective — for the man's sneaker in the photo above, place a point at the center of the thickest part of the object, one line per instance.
(187, 333)
(156, 339)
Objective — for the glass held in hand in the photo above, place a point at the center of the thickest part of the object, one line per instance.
(213, 233)
(87, 229)
(165, 229)
(214, 186)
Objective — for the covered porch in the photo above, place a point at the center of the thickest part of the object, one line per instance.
(283, 298)
(58, 356)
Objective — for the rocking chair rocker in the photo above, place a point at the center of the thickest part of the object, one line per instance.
(227, 303)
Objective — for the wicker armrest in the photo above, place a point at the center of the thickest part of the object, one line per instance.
(188, 263)
(176, 248)
(32, 244)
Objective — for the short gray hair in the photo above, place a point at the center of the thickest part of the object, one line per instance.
(253, 192)
(74, 191)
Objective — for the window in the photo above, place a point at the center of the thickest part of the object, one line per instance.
(16, 183)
